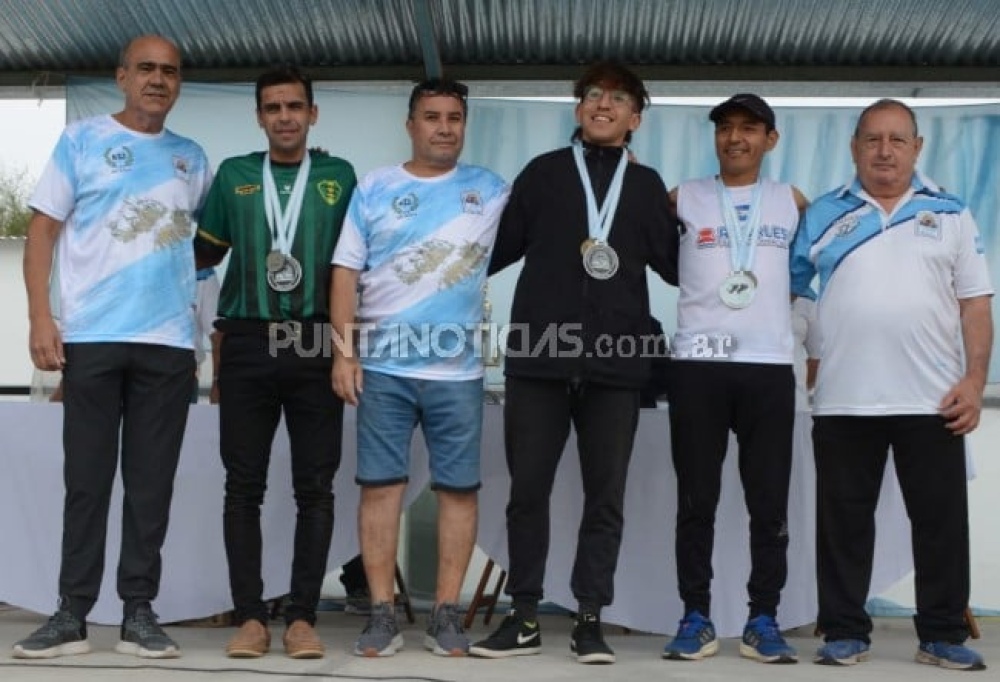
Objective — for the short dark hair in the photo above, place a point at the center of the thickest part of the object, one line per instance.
(281, 75)
(887, 103)
(614, 75)
(439, 86)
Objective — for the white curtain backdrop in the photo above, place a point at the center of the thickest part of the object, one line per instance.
(962, 144)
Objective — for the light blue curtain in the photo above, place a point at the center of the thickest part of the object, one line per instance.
(961, 148)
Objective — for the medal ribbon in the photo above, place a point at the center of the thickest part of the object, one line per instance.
(742, 234)
(599, 222)
(284, 223)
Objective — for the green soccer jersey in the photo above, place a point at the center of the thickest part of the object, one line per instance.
(234, 218)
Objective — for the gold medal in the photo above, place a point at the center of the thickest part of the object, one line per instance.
(586, 246)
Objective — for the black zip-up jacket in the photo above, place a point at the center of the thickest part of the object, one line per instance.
(566, 325)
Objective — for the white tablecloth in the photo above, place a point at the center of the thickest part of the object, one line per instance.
(195, 580)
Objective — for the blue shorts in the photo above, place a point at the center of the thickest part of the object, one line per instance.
(450, 414)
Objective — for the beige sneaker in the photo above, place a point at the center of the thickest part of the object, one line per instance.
(301, 641)
(252, 640)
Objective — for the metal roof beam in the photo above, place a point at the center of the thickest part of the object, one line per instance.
(428, 41)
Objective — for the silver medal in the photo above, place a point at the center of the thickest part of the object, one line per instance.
(288, 277)
(600, 260)
(738, 289)
(275, 261)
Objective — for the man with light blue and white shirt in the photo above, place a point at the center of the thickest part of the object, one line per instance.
(410, 268)
(118, 200)
(906, 333)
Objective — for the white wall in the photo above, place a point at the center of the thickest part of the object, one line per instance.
(15, 362)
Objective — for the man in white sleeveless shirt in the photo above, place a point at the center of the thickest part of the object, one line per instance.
(732, 370)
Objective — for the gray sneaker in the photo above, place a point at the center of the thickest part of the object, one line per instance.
(445, 636)
(381, 637)
(62, 635)
(142, 636)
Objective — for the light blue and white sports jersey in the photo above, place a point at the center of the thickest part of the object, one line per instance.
(888, 308)
(422, 246)
(128, 202)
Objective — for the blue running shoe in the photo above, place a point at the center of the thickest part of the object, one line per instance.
(842, 652)
(695, 639)
(951, 656)
(762, 641)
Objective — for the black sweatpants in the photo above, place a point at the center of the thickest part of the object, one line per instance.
(537, 418)
(757, 402)
(136, 394)
(851, 454)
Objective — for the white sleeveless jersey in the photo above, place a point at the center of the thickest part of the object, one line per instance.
(761, 332)
(128, 201)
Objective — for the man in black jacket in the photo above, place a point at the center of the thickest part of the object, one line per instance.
(587, 223)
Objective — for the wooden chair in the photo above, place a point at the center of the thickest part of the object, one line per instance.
(481, 600)
(403, 596)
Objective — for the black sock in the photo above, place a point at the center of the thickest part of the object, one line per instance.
(527, 609)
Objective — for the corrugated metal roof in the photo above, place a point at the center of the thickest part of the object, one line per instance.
(373, 39)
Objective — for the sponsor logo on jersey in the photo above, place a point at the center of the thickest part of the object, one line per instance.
(330, 191)
(405, 205)
(472, 202)
(246, 190)
(767, 235)
(706, 238)
(120, 159)
(774, 235)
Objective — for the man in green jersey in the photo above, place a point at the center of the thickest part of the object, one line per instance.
(278, 214)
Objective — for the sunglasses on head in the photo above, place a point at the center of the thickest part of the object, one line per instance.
(442, 86)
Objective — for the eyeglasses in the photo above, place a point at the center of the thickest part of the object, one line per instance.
(442, 86)
(595, 93)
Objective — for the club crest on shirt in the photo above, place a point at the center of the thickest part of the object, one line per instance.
(120, 159)
(927, 224)
(405, 205)
(472, 202)
(329, 191)
(845, 225)
(181, 167)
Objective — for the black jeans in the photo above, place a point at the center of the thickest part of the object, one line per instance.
(257, 381)
(851, 454)
(137, 393)
(537, 418)
(757, 402)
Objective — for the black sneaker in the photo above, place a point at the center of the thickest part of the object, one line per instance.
(63, 635)
(514, 637)
(142, 636)
(588, 643)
